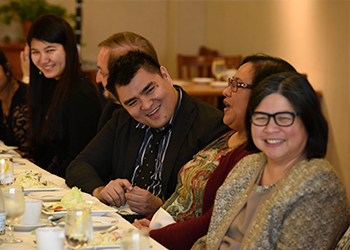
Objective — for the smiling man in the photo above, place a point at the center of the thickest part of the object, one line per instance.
(112, 167)
(112, 48)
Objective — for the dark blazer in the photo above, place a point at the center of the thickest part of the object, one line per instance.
(107, 113)
(113, 152)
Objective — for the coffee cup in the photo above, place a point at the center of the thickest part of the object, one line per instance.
(32, 212)
(50, 238)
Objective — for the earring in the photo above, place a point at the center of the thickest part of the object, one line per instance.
(7, 73)
(40, 73)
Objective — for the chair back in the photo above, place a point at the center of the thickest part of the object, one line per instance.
(200, 66)
(205, 51)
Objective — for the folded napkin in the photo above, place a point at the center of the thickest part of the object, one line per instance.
(125, 210)
(161, 219)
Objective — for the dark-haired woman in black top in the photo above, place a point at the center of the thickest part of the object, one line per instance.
(64, 107)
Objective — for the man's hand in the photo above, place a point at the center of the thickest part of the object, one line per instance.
(114, 192)
(142, 224)
(142, 201)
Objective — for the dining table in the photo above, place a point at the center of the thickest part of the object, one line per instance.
(208, 92)
(28, 236)
(208, 89)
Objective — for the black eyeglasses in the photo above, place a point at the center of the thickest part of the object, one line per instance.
(235, 85)
(282, 119)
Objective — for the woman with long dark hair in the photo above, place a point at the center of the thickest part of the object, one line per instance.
(14, 109)
(64, 107)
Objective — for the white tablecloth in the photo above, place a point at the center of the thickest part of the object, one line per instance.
(28, 239)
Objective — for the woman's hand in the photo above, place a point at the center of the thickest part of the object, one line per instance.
(25, 63)
(142, 224)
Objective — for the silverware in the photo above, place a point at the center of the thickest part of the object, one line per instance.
(105, 222)
(51, 195)
(56, 221)
(110, 229)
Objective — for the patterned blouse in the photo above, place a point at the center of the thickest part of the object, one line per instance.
(14, 127)
(187, 200)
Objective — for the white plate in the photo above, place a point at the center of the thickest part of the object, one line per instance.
(10, 155)
(53, 187)
(48, 196)
(103, 247)
(103, 209)
(4, 148)
(29, 190)
(219, 84)
(102, 222)
(202, 80)
(22, 227)
(98, 222)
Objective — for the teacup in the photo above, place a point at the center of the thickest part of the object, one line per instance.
(32, 212)
(50, 238)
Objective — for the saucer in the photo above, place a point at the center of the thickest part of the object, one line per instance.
(24, 227)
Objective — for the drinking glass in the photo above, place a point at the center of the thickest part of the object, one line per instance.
(78, 228)
(14, 207)
(218, 68)
(2, 217)
(6, 171)
(135, 240)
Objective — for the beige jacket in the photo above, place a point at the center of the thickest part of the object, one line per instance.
(307, 209)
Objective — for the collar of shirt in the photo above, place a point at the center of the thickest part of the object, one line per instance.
(155, 186)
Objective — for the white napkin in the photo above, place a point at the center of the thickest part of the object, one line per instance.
(161, 219)
(125, 210)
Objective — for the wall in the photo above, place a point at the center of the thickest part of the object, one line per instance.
(312, 35)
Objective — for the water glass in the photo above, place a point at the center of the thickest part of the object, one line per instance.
(14, 207)
(218, 68)
(135, 240)
(78, 229)
(6, 171)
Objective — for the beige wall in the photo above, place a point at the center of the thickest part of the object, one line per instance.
(312, 35)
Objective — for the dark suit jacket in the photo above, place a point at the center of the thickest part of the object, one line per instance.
(112, 153)
(107, 113)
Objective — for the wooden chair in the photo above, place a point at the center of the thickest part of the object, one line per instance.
(200, 66)
(205, 51)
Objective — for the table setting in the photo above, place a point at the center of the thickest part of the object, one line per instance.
(54, 215)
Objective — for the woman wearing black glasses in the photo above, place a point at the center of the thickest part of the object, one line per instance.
(287, 196)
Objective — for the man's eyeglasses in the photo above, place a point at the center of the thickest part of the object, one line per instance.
(282, 119)
(235, 85)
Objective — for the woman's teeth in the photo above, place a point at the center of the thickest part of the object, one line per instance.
(48, 67)
(274, 141)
